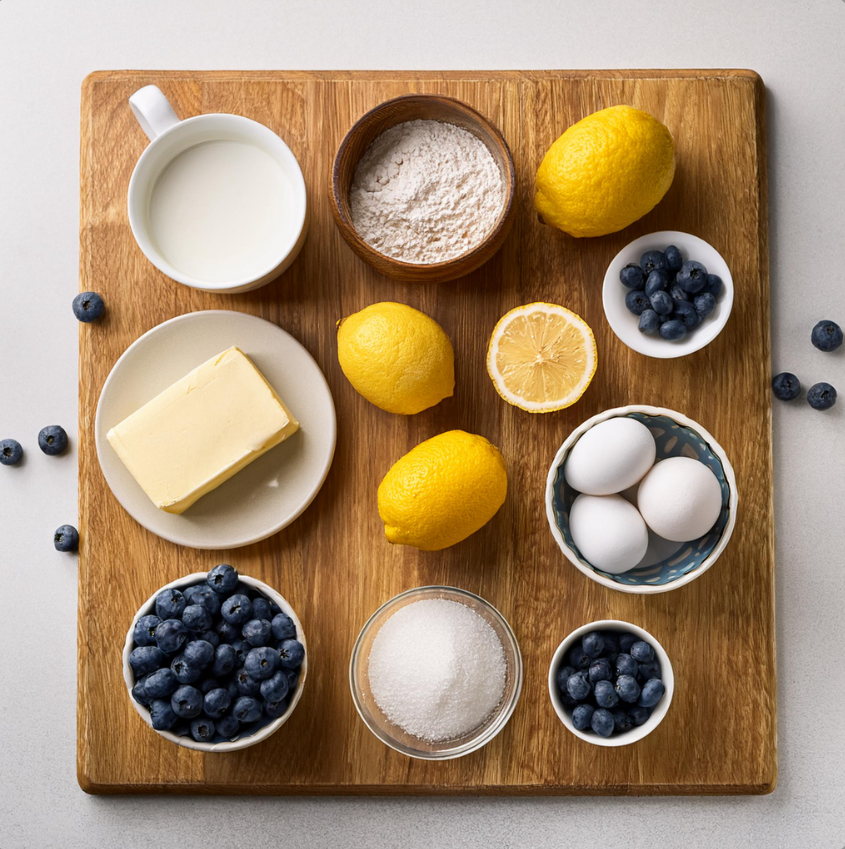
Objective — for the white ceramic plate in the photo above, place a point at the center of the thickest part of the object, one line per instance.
(626, 325)
(268, 494)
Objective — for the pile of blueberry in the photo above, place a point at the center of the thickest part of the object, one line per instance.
(215, 662)
(611, 682)
(671, 297)
(827, 336)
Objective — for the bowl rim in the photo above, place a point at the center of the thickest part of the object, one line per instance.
(491, 730)
(702, 337)
(502, 222)
(681, 419)
(263, 733)
(667, 674)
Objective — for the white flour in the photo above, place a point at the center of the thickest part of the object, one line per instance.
(426, 191)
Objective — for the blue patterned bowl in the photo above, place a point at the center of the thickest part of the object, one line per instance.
(675, 436)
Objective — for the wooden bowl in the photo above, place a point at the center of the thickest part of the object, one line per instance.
(411, 107)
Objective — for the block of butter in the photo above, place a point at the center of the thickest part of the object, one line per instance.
(202, 430)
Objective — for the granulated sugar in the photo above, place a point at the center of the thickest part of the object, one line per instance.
(426, 191)
(437, 669)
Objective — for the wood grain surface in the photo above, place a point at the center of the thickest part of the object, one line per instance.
(334, 564)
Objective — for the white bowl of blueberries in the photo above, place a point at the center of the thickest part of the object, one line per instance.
(611, 683)
(668, 294)
(215, 662)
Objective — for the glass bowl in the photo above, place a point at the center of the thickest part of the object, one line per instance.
(391, 734)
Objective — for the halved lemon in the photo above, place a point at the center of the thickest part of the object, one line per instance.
(541, 357)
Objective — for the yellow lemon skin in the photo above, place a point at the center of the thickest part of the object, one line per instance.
(397, 357)
(442, 491)
(605, 172)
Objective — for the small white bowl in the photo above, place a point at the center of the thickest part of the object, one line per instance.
(241, 742)
(626, 325)
(675, 435)
(635, 734)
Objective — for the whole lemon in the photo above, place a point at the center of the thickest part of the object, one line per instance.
(442, 491)
(605, 172)
(397, 357)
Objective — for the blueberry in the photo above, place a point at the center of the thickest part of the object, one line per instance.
(186, 702)
(222, 579)
(211, 637)
(657, 282)
(673, 330)
(611, 644)
(626, 665)
(639, 715)
(821, 396)
(627, 688)
(196, 617)
(202, 730)
(678, 294)
(600, 670)
(237, 609)
(674, 260)
(276, 709)
(622, 721)
(581, 716)
(227, 632)
(275, 610)
(826, 336)
(714, 286)
(636, 302)
(786, 386)
(52, 440)
(209, 684)
(652, 693)
(146, 659)
(649, 322)
(186, 673)
(171, 635)
(139, 691)
(170, 604)
(704, 304)
(593, 644)
(642, 652)
(224, 661)
(233, 691)
(662, 303)
(66, 538)
(257, 632)
(247, 709)
(578, 658)
(162, 683)
(216, 702)
(686, 314)
(653, 261)
(10, 452)
(204, 596)
(578, 686)
(261, 609)
(88, 306)
(291, 654)
(632, 276)
(199, 653)
(626, 640)
(275, 688)
(242, 649)
(262, 662)
(246, 684)
(563, 676)
(692, 277)
(602, 722)
(144, 632)
(606, 696)
(227, 726)
(283, 627)
(293, 678)
(162, 714)
(651, 669)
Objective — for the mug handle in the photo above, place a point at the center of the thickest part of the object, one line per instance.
(153, 111)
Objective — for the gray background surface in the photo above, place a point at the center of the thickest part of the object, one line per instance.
(46, 49)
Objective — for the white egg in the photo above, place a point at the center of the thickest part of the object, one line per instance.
(608, 531)
(680, 499)
(610, 457)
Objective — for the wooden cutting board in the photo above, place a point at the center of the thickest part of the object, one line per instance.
(334, 564)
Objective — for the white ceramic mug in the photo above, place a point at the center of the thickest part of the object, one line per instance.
(170, 137)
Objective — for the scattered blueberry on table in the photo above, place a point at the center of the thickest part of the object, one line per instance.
(215, 660)
(611, 682)
(786, 386)
(66, 538)
(670, 296)
(10, 452)
(52, 440)
(88, 306)
(821, 396)
(827, 336)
